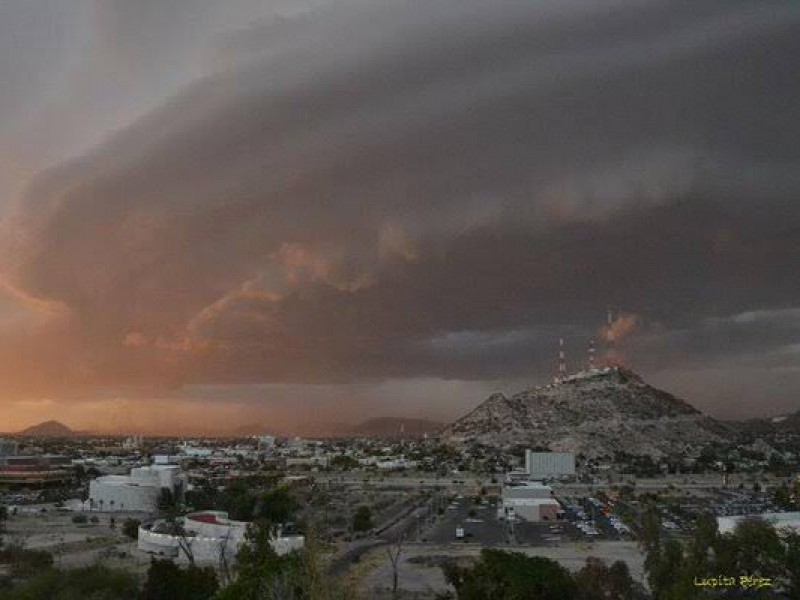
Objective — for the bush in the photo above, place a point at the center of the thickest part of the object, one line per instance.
(362, 521)
(95, 583)
(25, 563)
(80, 518)
(167, 581)
(130, 527)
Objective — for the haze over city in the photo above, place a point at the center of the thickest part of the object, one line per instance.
(223, 213)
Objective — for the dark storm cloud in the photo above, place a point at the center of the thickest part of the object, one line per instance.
(417, 189)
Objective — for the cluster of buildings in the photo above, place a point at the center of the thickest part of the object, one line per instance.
(525, 496)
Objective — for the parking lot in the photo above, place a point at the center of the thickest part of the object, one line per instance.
(479, 521)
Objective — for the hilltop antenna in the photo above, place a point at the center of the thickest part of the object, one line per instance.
(610, 333)
(562, 361)
(592, 353)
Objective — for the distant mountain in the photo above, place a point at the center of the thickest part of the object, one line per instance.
(395, 427)
(769, 428)
(311, 430)
(48, 429)
(596, 413)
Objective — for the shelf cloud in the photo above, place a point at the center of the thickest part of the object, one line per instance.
(322, 193)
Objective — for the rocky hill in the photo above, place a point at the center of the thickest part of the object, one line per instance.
(596, 413)
(48, 429)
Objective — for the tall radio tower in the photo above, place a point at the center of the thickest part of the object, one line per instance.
(610, 334)
(592, 353)
(562, 361)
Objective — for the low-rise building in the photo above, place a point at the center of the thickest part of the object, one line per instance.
(547, 465)
(35, 471)
(529, 501)
(137, 492)
(208, 536)
(790, 520)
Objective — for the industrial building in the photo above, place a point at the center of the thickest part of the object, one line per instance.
(549, 465)
(209, 537)
(530, 501)
(137, 492)
(32, 471)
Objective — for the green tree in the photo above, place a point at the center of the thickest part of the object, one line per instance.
(277, 506)
(130, 527)
(167, 581)
(792, 541)
(650, 533)
(754, 548)
(500, 575)
(362, 520)
(238, 500)
(299, 575)
(167, 503)
(596, 581)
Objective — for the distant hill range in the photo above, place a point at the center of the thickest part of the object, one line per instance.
(597, 413)
(48, 429)
(378, 427)
(780, 426)
(395, 427)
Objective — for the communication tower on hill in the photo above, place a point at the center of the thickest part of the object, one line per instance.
(561, 372)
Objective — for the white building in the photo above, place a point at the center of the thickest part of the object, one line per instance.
(547, 465)
(530, 501)
(8, 447)
(210, 538)
(789, 520)
(137, 492)
(196, 451)
(266, 443)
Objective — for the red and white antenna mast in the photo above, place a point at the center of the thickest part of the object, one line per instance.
(562, 361)
(610, 335)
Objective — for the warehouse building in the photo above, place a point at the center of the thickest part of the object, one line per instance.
(530, 501)
(549, 465)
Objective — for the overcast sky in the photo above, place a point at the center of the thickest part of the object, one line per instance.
(289, 211)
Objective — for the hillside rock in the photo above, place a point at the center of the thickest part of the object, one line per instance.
(596, 413)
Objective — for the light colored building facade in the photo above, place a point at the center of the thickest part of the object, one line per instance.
(137, 492)
(529, 501)
(210, 537)
(549, 465)
(788, 520)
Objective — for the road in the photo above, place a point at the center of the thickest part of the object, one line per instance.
(402, 527)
